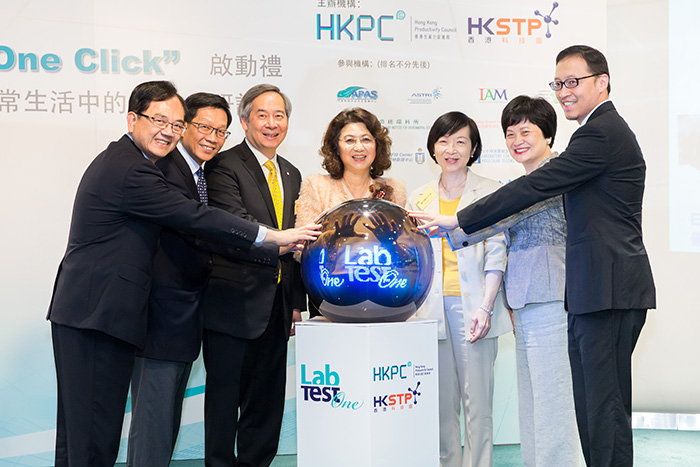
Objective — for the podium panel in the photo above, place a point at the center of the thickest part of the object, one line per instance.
(367, 394)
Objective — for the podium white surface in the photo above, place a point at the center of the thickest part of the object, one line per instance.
(367, 394)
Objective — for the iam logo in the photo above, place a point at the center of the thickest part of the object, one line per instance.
(548, 20)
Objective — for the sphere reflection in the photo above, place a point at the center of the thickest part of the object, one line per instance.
(370, 264)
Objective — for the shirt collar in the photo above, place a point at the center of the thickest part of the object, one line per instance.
(585, 120)
(191, 163)
(142, 151)
(262, 158)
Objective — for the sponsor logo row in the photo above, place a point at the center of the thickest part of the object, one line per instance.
(325, 386)
(512, 23)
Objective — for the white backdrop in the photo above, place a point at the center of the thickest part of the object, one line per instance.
(66, 70)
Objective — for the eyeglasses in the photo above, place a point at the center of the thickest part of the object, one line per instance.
(162, 123)
(365, 141)
(569, 83)
(207, 130)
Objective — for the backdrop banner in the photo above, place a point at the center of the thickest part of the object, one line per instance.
(67, 69)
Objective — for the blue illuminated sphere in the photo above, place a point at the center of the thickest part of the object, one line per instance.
(370, 264)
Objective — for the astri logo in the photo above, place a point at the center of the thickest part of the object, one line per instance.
(336, 26)
(427, 97)
(357, 94)
(512, 26)
(324, 386)
(397, 401)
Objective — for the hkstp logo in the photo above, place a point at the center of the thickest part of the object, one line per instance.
(357, 94)
(396, 401)
(338, 27)
(512, 26)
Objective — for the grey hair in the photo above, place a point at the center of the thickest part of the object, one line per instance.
(246, 104)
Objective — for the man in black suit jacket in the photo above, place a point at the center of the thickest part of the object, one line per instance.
(248, 308)
(609, 285)
(98, 308)
(180, 272)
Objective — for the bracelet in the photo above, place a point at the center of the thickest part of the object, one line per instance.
(486, 310)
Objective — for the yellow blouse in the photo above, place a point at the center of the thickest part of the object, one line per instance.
(450, 272)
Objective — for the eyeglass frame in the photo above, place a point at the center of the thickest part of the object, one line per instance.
(167, 122)
(359, 140)
(557, 85)
(218, 131)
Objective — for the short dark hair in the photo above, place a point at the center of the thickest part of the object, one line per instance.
(536, 110)
(152, 91)
(331, 153)
(246, 104)
(200, 100)
(594, 59)
(449, 124)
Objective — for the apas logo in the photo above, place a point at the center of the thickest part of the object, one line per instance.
(357, 94)
(512, 26)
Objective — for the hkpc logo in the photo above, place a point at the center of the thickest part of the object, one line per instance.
(391, 372)
(338, 26)
(514, 26)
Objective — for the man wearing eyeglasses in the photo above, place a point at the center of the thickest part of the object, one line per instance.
(98, 310)
(248, 309)
(180, 272)
(609, 284)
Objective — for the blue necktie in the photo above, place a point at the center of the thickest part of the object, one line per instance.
(202, 186)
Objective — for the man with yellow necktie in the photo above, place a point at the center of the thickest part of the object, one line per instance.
(248, 309)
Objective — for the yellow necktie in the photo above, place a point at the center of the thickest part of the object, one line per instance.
(274, 185)
(276, 193)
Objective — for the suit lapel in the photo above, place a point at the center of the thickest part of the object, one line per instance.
(288, 190)
(251, 163)
(184, 169)
(605, 107)
(471, 190)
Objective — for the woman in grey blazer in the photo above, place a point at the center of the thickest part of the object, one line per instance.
(534, 283)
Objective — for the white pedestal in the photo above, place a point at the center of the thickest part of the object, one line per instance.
(367, 394)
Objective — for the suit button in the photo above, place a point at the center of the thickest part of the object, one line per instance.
(465, 243)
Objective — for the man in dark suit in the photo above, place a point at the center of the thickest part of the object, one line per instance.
(180, 272)
(609, 285)
(98, 308)
(247, 308)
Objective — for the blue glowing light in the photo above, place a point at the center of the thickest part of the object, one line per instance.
(371, 263)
